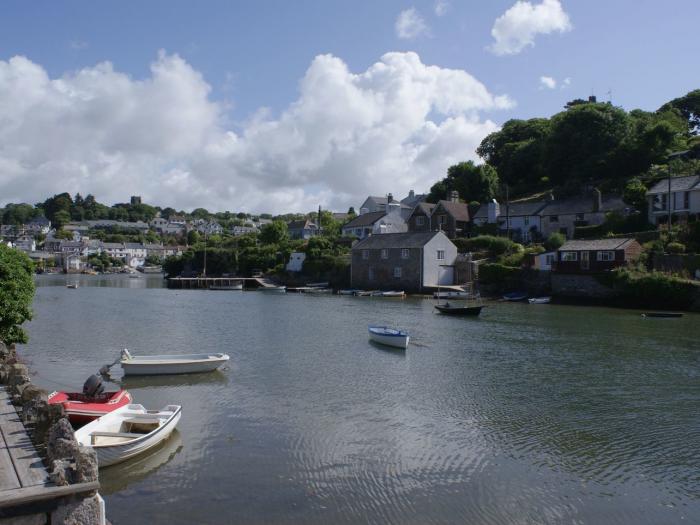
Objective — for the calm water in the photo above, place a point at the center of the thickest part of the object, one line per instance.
(530, 414)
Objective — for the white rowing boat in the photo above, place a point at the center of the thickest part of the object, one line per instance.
(170, 364)
(388, 336)
(539, 300)
(127, 432)
(273, 289)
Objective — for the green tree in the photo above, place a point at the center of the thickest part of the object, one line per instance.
(61, 218)
(635, 194)
(472, 182)
(200, 213)
(19, 214)
(275, 232)
(16, 294)
(193, 237)
(688, 106)
(554, 242)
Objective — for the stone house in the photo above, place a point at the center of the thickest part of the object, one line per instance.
(595, 256)
(563, 216)
(303, 229)
(419, 220)
(375, 204)
(685, 199)
(408, 261)
(451, 217)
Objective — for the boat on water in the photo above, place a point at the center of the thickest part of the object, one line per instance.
(365, 293)
(317, 291)
(391, 293)
(273, 289)
(466, 304)
(92, 403)
(237, 286)
(127, 432)
(388, 336)
(456, 309)
(134, 276)
(450, 295)
(539, 300)
(324, 284)
(170, 364)
(72, 286)
(515, 296)
(667, 315)
(349, 292)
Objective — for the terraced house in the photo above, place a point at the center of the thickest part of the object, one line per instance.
(684, 195)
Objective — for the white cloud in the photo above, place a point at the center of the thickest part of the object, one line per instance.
(566, 82)
(410, 24)
(547, 82)
(517, 28)
(396, 126)
(441, 7)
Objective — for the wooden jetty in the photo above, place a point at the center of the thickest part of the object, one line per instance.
(24, 482)
(206, 283)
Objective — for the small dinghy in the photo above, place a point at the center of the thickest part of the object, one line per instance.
(273, 289)
(94, 402)
(539, 300)
(453, 309)
(348, 292)
(127, 432)
(170, 364)
(388, 336)
(73, 286)
(515, 296)
(392, 293)
(667, 315)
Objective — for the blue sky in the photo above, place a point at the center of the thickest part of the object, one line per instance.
(256, 55)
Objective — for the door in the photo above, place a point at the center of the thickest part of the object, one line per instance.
(585, 265)
(446, 276)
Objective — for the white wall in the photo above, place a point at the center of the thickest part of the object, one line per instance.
(432, 267)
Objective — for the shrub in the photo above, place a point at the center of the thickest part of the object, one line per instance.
(494, 273)
(495, 246)
(653, 289)
(675, 247)
(554, 242)
(16, 294)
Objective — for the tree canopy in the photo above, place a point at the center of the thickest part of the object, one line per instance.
(472, 182)
(16, 294)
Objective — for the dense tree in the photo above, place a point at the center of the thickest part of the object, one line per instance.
(61, 218)
(200, 213)
(275, 232)
(634, 194)
(18, 214)
(61, 202)
(472, 182)
(689, 108)
(16, 294)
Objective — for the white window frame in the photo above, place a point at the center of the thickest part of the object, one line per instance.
(569, 256)
(397, 272)
(605, 256)
(385, 253)
(441, 255)
(405, 253)
(365, 254)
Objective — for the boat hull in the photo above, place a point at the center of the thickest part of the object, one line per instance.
(273, 289)
(467, 311)
(168, 365)
(398, 340)
(539, 300)
(80, 410)
(663, 315)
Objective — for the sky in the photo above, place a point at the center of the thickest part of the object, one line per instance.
(279, 106)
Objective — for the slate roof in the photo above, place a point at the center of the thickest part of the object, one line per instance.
(691, 182)
(396, 240)
(425, 207)
(596, 244)
(366, 219)
(459, 210)
(301, 225)
(581, 205)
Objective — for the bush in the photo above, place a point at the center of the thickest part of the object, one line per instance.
(675, 247)
(494, 273)
(16, 294)
(495, 246)
(653, 289)
(554, 242)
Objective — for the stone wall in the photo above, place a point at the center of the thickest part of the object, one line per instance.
(66, 460)
(580, 286)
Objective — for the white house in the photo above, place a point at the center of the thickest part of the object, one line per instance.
(392, 222)
(25, 243)
(685, 198)
(296, 262)
(521, 218)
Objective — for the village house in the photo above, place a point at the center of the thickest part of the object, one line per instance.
(25, 243)
(522, 219)
(38, 225)
(413, 199)
(303, 229)
(392, 222)
(419, 220)
(242, 230)
(563, 216)
(408, 261)
(451, 217)
(376, 204)
(595, 256)
(363, 225)
(685, 199)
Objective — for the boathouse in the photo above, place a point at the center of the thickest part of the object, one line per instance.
(595, 256)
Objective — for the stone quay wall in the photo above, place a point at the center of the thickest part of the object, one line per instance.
(66, 461)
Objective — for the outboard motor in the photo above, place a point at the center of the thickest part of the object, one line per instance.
(93, 387)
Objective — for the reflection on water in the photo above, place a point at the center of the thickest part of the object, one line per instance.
(531, 414)
(120, 476)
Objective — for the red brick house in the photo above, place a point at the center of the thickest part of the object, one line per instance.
(595, 256)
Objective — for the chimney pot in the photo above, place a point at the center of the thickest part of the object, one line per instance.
(454, 196)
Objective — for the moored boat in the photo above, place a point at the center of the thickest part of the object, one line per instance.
(127, 432)
(238, 286)
(72, 286)
(539, 300)
(349, 292)
(453, 309)
(170, 364)
(392, 293)
(92, 403)
(515, 296)
(667, 315)
(388, 336)
(273, 289)
(450, 295)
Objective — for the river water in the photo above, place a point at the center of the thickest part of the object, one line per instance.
(529, 414)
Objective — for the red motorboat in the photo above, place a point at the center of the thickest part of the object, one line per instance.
(92, 403)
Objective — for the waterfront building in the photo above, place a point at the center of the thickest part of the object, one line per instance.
(419, 220)
(408, 261)
(595, 256)
(522, 219)
(685, 199)
(564, 216)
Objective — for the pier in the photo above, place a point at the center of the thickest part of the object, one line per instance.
(208, 283)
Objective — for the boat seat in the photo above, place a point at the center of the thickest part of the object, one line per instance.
(98, 433)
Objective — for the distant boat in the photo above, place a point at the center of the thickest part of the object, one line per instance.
(134, 276)
(455, 309)
(315, 291)
(449, 295)
(663, 314)
(388, 336)
(72, 286)
(127, 432)
(392, 293)
(238, 286)
(364, 293)
(349, 292)
(170, 364)
(324, 284)
(539, 300)
(515, 296)
(273, 289)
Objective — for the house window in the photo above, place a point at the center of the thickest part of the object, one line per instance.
(686, 200)
(420, 220)
(370, 273)
(365, 254)
(606, 256)
(580, 217)
(404, 253)
(385, 253)
(554, 218)
(526, 221)
(397, 272)
(569, 256)
(549, 260)
(441, 255)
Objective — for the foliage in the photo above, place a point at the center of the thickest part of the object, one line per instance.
(495, 246)
(64, 234)
(18, 214)
(675, 247)
(635, 194)
(16, 294)
(275, 232)
(652, 289)
(554, 242)
(495, 273)
(472, 182)
(689, 108)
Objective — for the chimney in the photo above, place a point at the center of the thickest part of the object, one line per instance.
(494, 210)
(411, 194)
(597, 200)
(454, 196)
(592, 99)
(390, 198)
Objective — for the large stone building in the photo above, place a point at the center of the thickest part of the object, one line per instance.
(409, 261)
